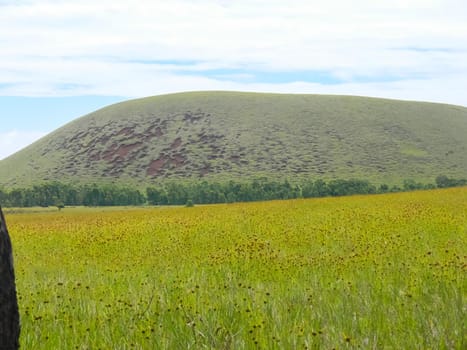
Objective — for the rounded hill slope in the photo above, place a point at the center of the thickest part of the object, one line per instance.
(225, 136)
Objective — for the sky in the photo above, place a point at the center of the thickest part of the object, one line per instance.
(62, 59)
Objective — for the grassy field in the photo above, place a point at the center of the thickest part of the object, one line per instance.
(373, 272)
(220, 136)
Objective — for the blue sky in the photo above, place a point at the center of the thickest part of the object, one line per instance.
(49, 113)
(62, 59)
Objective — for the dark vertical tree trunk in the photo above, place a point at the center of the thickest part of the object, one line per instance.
(9, 316)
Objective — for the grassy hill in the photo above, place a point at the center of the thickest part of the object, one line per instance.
(234, 135)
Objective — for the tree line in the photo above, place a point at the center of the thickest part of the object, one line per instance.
(204, 192)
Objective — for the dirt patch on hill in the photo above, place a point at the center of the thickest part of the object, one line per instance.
(176, 143)
(119, 151)
(156, 166)
(126, 131)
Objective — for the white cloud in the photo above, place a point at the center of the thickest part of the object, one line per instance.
(58, 47)
(13, 141)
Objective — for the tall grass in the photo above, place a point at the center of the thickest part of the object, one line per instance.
(377, 272)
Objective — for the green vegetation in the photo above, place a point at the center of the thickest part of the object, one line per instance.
(371, 272)
(59, 195)
(222, 136)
